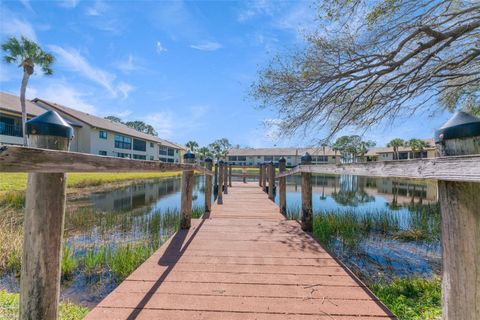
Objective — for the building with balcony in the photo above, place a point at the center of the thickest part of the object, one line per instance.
(92, 134)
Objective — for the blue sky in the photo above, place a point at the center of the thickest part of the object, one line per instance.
(184, 67)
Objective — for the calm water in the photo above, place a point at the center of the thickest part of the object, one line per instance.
(148, 212)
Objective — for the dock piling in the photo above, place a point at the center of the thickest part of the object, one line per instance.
(187, 193)
(282, 187)
(460, 215)
(208, 186)
(44, 223)
(307, 214)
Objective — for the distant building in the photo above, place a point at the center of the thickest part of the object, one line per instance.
(92, 134)
(250, 156)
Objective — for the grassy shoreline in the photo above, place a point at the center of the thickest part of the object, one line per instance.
(13, 185)
(9, 305)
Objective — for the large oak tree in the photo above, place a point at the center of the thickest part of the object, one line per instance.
(372, 61)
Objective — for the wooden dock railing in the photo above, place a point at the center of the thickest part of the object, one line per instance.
(47, 160)
(457, 171)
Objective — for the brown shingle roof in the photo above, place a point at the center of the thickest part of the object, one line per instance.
(280, 152)
(10, 102)
(106, 124)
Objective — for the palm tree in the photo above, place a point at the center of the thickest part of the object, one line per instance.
(204, 152)
(417, 145)
(27, 54)
(192, 145)
(395, 144)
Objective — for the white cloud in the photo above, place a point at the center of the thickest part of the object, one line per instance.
(125, 89)
(74, 61)
(16, 27)
(159, 47)
(61, 93)
(184, 120)
(206, 46)
(163, 122)
(129, 66)
(70, 4)
(27, 5)
(98, 8)
(256, 8)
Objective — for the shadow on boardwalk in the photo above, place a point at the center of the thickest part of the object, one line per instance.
(176, 248)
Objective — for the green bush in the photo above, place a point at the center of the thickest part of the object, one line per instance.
(412, 298)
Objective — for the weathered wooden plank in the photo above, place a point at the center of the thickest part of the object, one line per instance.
(26, 159)
(454, 168)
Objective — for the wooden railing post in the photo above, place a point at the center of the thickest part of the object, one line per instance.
(215, 183)
(271, 181)
(260, 175)
(230, 175)
(282, 187)
(460, 212)
(43, 223)
(187, 192)
(220, 182)
(208, 186)
(225, 178)
(264, 177)
(307, 214)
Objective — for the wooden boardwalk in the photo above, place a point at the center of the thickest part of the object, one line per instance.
(243, 261)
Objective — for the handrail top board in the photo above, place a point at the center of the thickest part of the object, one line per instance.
(28, 159)
(453, 168)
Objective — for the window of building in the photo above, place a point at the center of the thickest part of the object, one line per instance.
(171, 152)
(162, 150)
(139, 157)
(151, 158)
(102, 134)
(170, 160)
(102, 152)
(123, 155)
(268, 158)
(163, 159)
(259, 157)
(139, 145)
(241, 158)
(123, 142)
(151, 144)
(232, 158)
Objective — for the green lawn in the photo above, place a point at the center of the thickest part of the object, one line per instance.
(18, 181)
(9, 304)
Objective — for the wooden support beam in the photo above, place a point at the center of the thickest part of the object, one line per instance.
(28, 159)
(230, 175)
(460, 211)
(271, 181)
(208, 186)
(307, 212)
(221, 172)
(187, 193)
(282, 187)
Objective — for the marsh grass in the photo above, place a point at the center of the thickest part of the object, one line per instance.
(9, 304)
(412, 298)
(11, 241)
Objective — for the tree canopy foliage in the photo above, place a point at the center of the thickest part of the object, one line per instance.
(372, 61)
(352, 146)
(135, 124)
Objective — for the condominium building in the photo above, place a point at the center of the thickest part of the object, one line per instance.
(252, 157)
(92, 134)
(321, 155)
